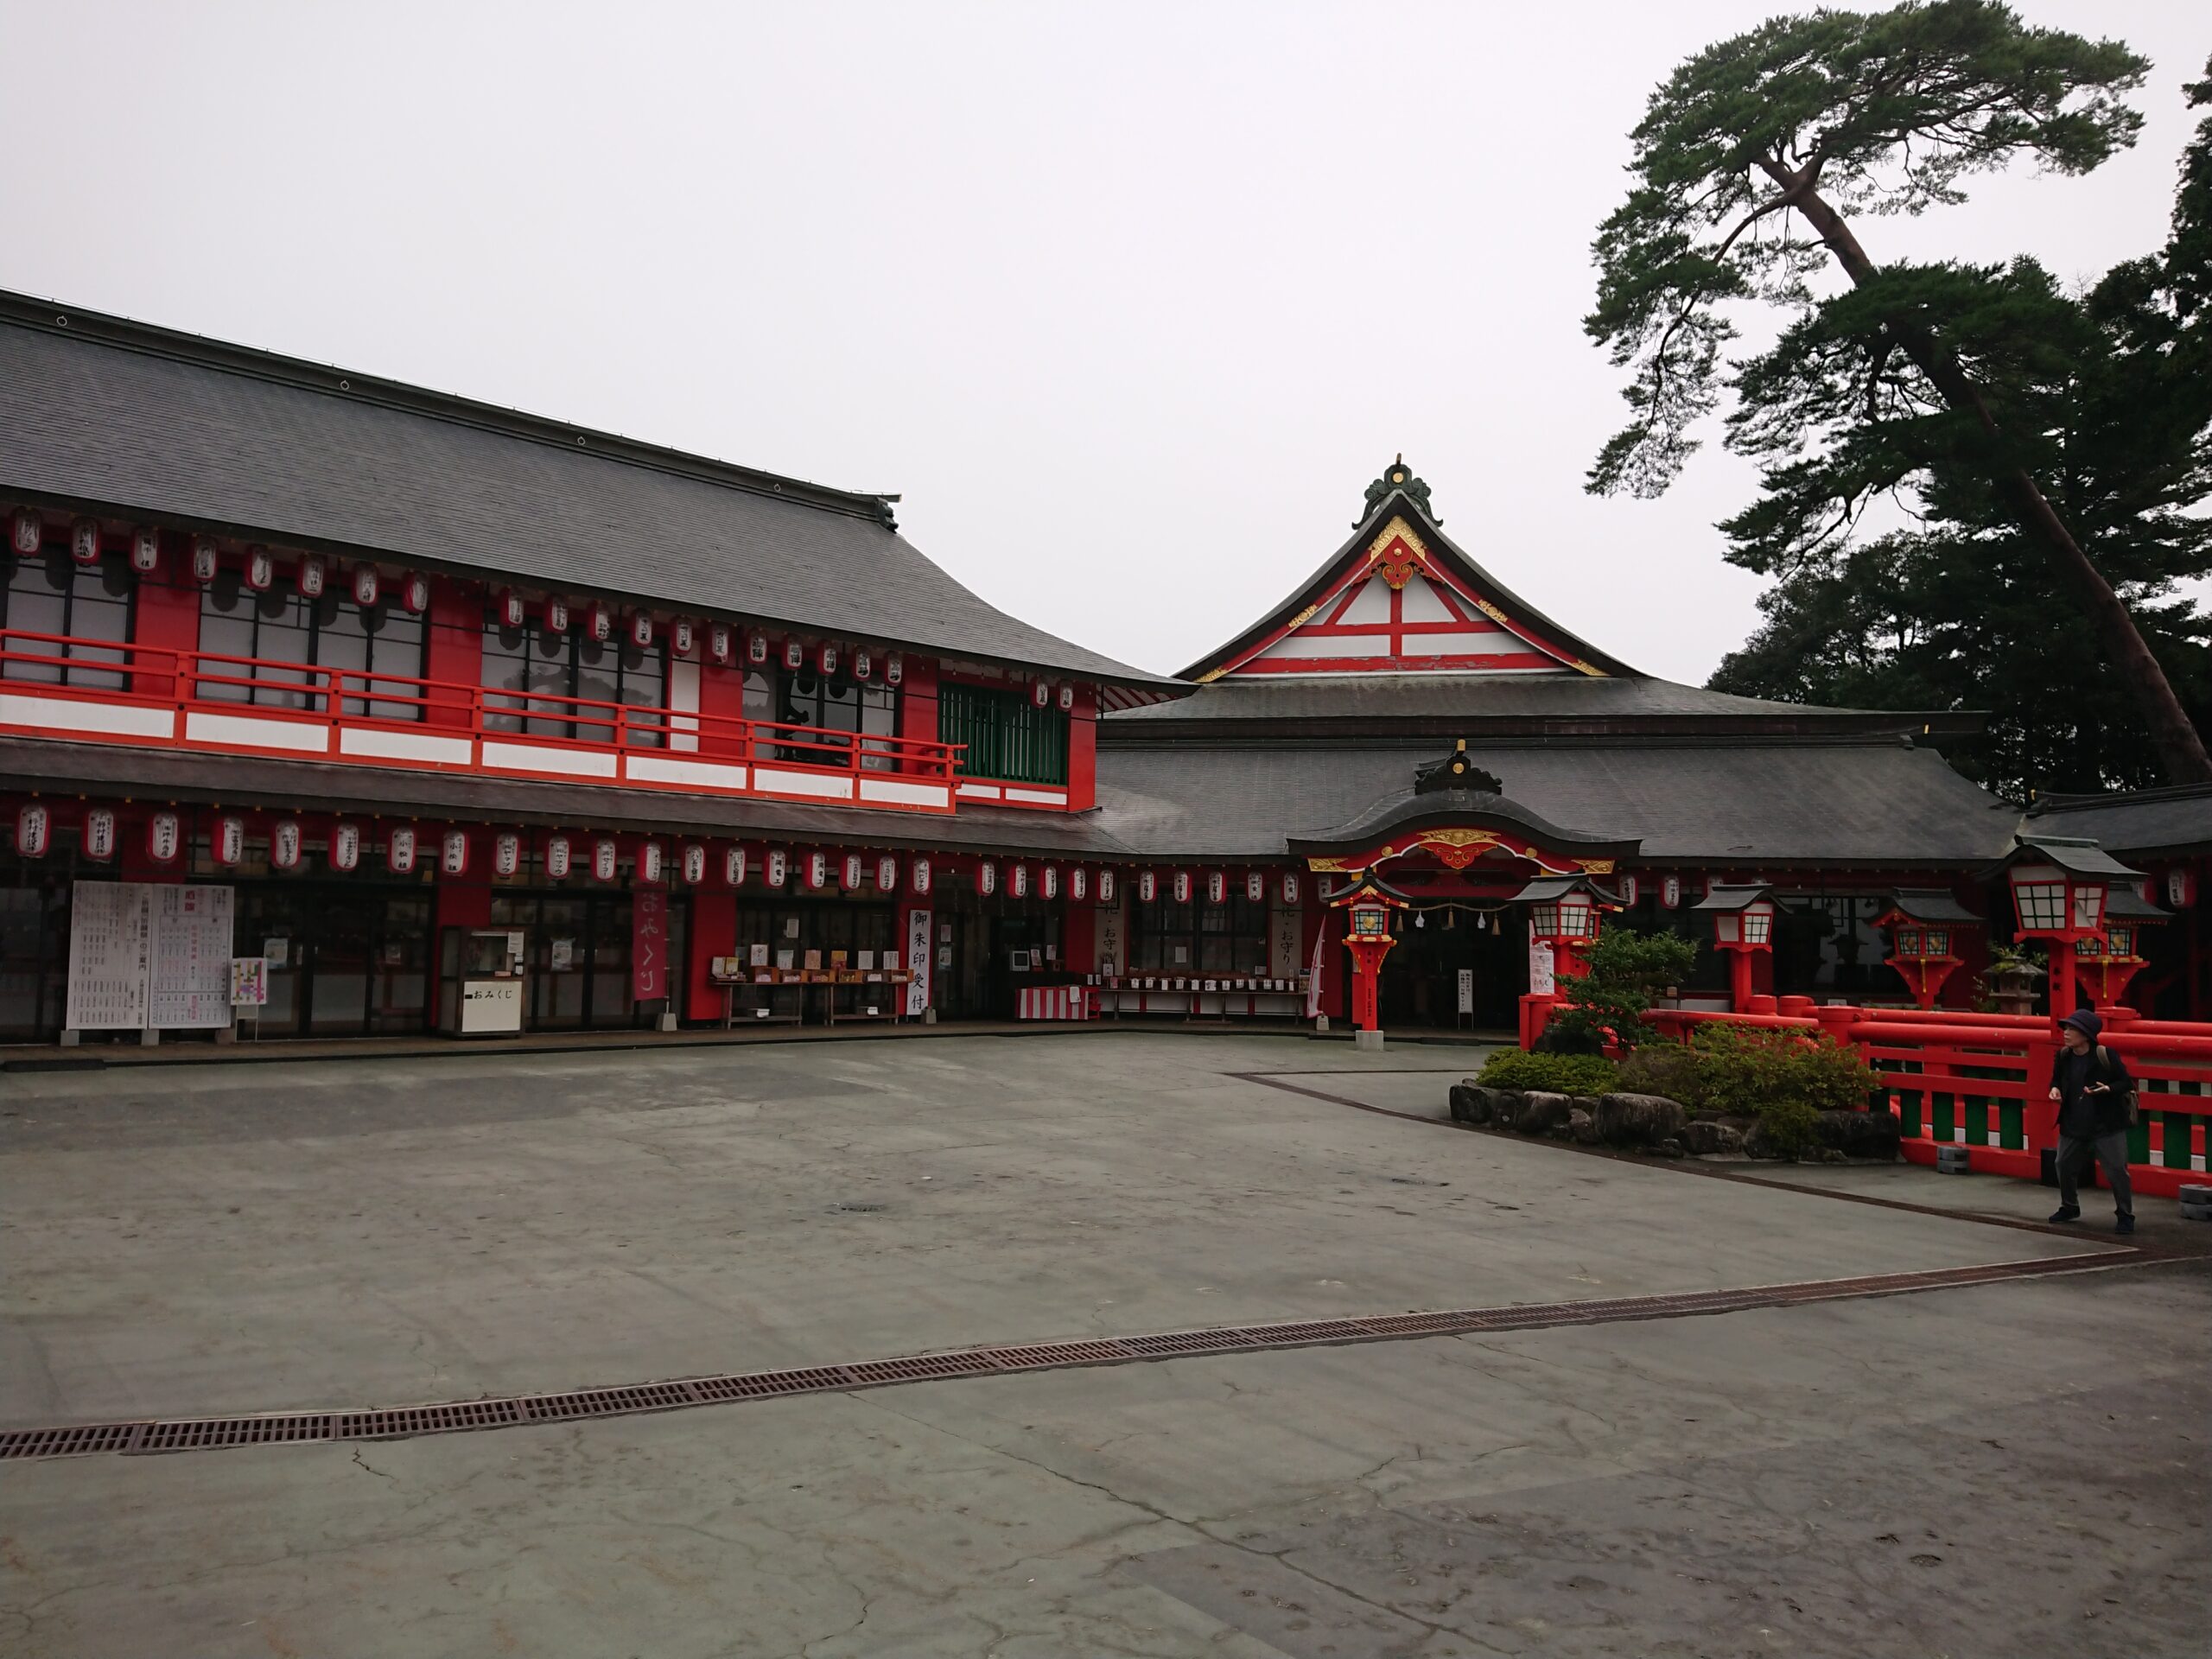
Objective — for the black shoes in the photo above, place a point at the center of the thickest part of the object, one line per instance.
(2066, 1212)
(2124, 1226)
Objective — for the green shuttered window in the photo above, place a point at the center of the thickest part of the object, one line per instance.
(1007, 735)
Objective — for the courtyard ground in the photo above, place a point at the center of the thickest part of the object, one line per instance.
(2014, 1465)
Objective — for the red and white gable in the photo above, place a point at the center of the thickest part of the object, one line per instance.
(1404, 609)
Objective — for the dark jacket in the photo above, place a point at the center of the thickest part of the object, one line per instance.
(2086, 1116)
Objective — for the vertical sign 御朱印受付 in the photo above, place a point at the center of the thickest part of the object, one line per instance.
(648, 945)
(918, 962)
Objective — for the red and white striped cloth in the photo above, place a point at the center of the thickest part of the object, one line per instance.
(1055, 1002)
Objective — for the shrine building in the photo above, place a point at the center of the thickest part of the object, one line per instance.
(331, 706)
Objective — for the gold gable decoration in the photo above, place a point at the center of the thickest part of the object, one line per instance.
(1396, 551)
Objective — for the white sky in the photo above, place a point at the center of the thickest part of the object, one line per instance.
(1129, 301)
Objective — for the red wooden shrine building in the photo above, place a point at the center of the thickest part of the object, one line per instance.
(432, 716)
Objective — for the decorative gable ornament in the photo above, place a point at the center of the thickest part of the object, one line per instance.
(229, 841)
(313, 576)
(164, 837)
(918, 875)
(506, 853)
(204, 559)
(260, 569)
(399, 851)
(33, 828)
(695, 864)
(366, 585)
(85, 541)
(145, 549)
(284, 844)
(560, 857)
(100, 834)
(605, 859)
(453, 853)
(29, 531)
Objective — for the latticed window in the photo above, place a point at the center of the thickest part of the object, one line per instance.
(2043, 904)
(1007, 735)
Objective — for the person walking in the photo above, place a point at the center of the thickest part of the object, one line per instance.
(2096, 1107)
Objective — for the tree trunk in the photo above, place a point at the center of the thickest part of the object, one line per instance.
(2180, 749)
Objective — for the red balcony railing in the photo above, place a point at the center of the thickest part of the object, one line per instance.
(100, 690)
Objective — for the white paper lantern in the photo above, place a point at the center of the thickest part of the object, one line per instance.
(34, 828)
(85, 541)
(894, 669)
(886, 873)
(99, 833)
(1182, 887)
(1040, 693)
(1079, 884)
(512, 613)
(1067, 698)
(1217, 886)
(1020, 881)
(506, 853)
(29, 531)
(1048, 882)
(313, 576)
(204, 559)
(1148, 886)
(794, 654)
(560, 857)
(733, 866)
(1106, 885)
(260, 569)
(683, 634)
(598, 623)
(718, 643)
(1290, 886)
(1670, 892)
(694, 863)
(1256, 887)
(399, 851)
(366, 585)
(863, 664)
(164, 837)
(918, 876)
(605, 859)
(230, 840)
(817, 870)
(756, 646)
(284, 844)
(829, 659)
(556, 616)
(1630, 891)
(986, 877)
(641, 629)
(649, 863)
(145, 549)
(414, 592)
(779, 870)
(453, 853)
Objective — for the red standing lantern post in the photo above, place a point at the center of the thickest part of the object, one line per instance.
(1743, 925)
(1368, 903)
(2060, 885)
(2105, 965)
(1924, 926)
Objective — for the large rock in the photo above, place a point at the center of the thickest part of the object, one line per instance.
(1462, 1098)
(1473, 1103)
(1859, 1134)
(1637, 1120)
(1708, 1137)
(1542, 1113)
(1582, 1128)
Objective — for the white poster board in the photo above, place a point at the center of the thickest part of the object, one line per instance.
(1540, 971)
(918, 962)
(109, 945)
(1466, 990)
(189, 978)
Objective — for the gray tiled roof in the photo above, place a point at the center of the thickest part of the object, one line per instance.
(2148, 821)
(1513, 696)
(1743, 804)
(142, 421)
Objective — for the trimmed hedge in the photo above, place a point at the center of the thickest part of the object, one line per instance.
(1561, 1074)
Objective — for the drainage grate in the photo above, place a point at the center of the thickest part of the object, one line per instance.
(72, 1442)
(196, 1433)
(406, 1422)
(606, 1402)
(204, 1434)
(761, 1385)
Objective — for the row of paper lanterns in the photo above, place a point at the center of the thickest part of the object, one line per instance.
(691, 861)
(720, 642)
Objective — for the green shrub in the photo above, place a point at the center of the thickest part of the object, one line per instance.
(1663, 1068)
(1783, 1078)
(1605, 1005)
(1562, 1074)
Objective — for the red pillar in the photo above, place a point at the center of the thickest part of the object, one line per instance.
(917, 700)
(713, 933)
(168, 619)
(1739, 982)
(452, 653)
(1083, 751)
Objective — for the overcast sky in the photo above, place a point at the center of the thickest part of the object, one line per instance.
(1130, 302)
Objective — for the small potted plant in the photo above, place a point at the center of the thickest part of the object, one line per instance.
(2013, 978)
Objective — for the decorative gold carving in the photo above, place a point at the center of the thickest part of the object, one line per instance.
(1452, 837)
(1211, 675)
(1583, 667)
(1396, 551)
(1595, 866)
(1304, 617)
(1334, 866)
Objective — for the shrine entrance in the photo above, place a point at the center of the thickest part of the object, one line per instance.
(1420, 987)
